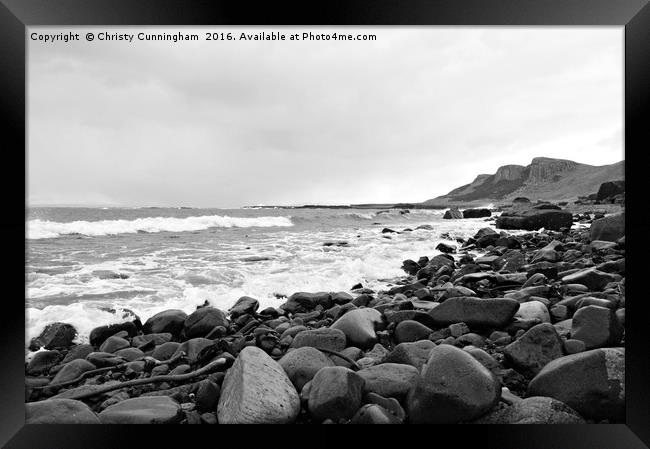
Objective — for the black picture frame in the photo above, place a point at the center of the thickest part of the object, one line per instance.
(16, 15)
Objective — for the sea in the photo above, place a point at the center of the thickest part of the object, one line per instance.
(95, 266)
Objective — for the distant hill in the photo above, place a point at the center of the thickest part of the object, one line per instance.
(544, 179)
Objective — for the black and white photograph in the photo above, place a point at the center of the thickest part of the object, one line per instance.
(325, 225)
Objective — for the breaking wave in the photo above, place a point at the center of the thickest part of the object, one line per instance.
(43, 229)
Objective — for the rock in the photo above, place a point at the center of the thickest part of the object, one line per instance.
(130, 354)
(113, 343)
(54, 336)
(609, 228)
(458, 329)
(59, 411)
(341, 298)
(200, 322)
(610, 189)
(335, 393)
(256, 390)
(193, 348)
(535, 349)
(302, 364)
(591, 277)
(601, 245)
(411, 267)
(591, 382)
(415, 354)
(157, 339)
(453, 387)
(304, 302)
(485, 237)
(143, 410)
(483, 357)
(409, 331)
(453, 213)
(485, 313)
(533, 310)
(326, 338)
(42, 361)
(165, 351)
(572, 346)
(533, 410)
(206, 395)
(78, 352)
(596, 326)
(359, 327)
(170, 321)
(72, 370)
(476, 213)
(389, 379)
(415, 315)
(99, 334)
(444, 248)
(374, 414)
(104, 359)
(244, 305)
(534, 219)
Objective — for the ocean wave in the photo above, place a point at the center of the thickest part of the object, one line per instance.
(43, 229)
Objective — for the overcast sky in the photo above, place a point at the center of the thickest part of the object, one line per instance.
(405, 118)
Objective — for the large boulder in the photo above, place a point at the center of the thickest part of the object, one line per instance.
(244, 305)
(596, 326)
(415, 354)
(453, 387)
(609, 228)
(535, 349)
(476, 213)
(335, 393)
(534, 219)
(453, 214)
(610, 189)
(533, 410)
(59, 411)
(302, 364)
(359, 327)
(143, 410)
(256, 390)
(166, 321)
(390, 380)
(484, 313)
(202, 321)
(326, 338)
(592, 278)
(54, 336)
(591, 382)
(99, 334)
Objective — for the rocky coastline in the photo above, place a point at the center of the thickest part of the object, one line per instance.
(532, 330)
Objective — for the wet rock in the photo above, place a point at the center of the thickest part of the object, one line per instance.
(476, 213)
(42, 361)
(533, 410)
(409, 331)
(494, 313)
(54, 336)
(415, 354)
(302, 364)
(256, 390)
(359, 327)
(596, 326)
(72, 370)
(78, 352)
(327, 338)
(609, 228)
(200, 322)
(99, 334)
(591, 382)
(130, 354)
(206, 395)
(453, 213)
(193, 348)
(304, 302)
(165, 350)
(389, 379)
(170, 321)
(591, 277)
(533, 310)
(104, 359)
(335, 393)
(572, 346)
(414, 315)
(534, 219)
(113, 344)
(535, 349)
(244, 305)
(143, 410)
(374, 414)
(445, 248)
(59, 411)
(452, 387)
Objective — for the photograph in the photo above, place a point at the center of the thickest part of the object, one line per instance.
(325, 225)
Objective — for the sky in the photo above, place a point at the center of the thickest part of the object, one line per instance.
(404, 118)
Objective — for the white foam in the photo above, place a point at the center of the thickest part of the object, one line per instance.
(43, 229)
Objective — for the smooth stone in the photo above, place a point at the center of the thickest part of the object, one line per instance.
(113, 344)
(415, 315)
(244, 305)
(453, 387)
(104, 359)
(157, 339)
(609, 228)
(335, 393)
(78, 352)
(59, 411)
(359, 327)
(168, 321)
(486, 313)
(193, 348)
(596, 326)
(593, 279)
(415, 354)
(42, 361)
(165, 351)
(72, 370)
(302, 364)
(304, 301)
(99, 334)
(326, 338)
(535, 349)
(409, 331)
(256, 390)
(532, 310)
(533, 410)
(54, 336)
(374, 414)
(200, 322)
(389, 379)
(572, 346)
(206, 395)
(591, 382)
(143, 410)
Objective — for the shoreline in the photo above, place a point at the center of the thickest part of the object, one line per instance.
(520, 315)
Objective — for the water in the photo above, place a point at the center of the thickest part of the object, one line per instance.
(86, 265)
